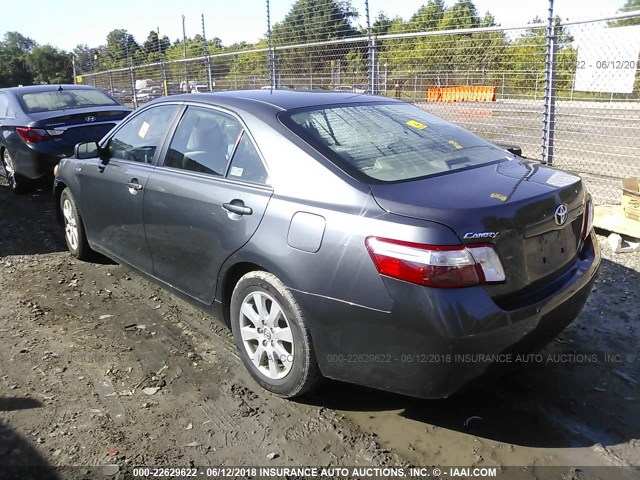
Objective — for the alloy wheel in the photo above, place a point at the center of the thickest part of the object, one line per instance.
(266, 335)
(70, 224)
(9, 169)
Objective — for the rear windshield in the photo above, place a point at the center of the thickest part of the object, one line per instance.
(67, 99)
(390, 142)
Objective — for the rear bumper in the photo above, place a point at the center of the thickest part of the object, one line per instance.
(435, 342)
(34, 164)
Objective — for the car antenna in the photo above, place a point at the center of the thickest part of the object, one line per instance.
(59, 88)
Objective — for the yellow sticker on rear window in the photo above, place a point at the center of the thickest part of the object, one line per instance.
(415, 124)
(499, 196)
(455, 144)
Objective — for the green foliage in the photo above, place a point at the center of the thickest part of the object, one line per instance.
(49, 65)
(445, 55)
(629, 6)
(461, 15)
(468, 55)
(526, 59)
(311, 21)
(154, 47)
(428, 17)
(13, 67)
(121, 47)
(24, 62)
(382, 24)
(315, 21)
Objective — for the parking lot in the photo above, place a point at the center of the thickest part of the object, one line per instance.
(101, 367)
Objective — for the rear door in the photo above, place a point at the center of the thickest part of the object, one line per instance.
(113, 188)
(204, 201)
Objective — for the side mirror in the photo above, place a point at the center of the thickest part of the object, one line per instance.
(87, 150)
(514, 149)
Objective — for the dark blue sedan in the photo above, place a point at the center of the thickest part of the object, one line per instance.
(41, 124)
(338, 235)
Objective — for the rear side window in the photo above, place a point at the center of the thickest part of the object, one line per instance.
(246, 164)
(66, 99)
(390, 142)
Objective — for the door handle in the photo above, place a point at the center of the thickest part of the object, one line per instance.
(238, 207)
(133, 185)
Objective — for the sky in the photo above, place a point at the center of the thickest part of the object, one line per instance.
(65, 24)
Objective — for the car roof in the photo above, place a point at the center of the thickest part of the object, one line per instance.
(279, 100)
(47, 88)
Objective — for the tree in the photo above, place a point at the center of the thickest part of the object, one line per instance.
(629, 6)
(315, 21)
(13, 51)
(86, 59)
(526, 58)
(428, 17)
(382, 24)
(154, 47)
(450, 58)
(120, 46)
(49, 65)
(461, 15)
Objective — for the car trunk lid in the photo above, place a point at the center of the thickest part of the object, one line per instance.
(85, 125)
(511, 204)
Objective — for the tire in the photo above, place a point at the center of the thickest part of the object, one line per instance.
(17, 183)
(74, 234)
(286, 364)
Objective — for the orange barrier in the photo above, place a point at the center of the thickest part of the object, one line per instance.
(462, 94)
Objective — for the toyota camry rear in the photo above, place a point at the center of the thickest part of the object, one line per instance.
(339, 235)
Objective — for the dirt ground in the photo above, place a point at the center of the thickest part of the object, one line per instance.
(100, 367)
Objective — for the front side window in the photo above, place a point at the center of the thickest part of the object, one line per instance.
(65, 99)
(390, 142)
(139, 138)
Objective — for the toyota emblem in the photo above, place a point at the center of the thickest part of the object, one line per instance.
(90, 118)
(561, 214)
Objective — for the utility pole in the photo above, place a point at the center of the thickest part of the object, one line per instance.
(372, 64)
(272, 56)
(549, 116)
(207, 60)
(184, 44)
(132, 77)
(163, 66)
(73, 65)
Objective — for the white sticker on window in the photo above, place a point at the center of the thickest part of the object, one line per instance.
(562, 179)
(143, 130)
(236, 171)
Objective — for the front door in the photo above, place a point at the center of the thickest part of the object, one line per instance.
(113, 188)
(204, 201)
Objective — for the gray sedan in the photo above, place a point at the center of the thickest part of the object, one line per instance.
(339, 235)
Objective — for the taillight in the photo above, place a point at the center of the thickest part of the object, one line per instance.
(441, 266)
(35, 135)
(587, 218)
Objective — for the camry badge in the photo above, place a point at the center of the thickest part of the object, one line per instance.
(90, 118)
(481, 235)
(561, 214)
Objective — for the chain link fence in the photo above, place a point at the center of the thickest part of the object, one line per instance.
(568, 93)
